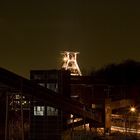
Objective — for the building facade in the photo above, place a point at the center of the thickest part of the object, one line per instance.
(48, 122)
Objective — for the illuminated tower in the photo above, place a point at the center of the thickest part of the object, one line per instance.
(70, 63)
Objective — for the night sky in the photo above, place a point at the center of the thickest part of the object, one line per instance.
(33, 33)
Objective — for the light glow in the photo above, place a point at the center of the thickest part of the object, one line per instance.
(132, 109)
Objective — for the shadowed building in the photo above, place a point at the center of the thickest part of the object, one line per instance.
(48, 122)
(43, 96)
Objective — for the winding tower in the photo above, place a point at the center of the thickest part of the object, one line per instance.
(70, 63)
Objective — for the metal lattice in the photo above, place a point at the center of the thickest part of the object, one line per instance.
(70, 63)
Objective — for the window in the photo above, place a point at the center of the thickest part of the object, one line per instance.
(39, 110)
(52, 86)
(38, 76)
(42, 84)
(51, 111)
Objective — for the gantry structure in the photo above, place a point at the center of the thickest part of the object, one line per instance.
(19, 94)
(15, 90)
(70, 63)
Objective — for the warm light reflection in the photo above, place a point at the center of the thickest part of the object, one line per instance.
(122, 129)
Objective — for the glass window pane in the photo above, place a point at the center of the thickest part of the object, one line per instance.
(39, 110)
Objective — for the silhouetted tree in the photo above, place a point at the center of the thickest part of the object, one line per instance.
(127, 72)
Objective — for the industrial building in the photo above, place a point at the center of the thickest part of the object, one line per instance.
(42, 107)
(61, 105)
(48, 122)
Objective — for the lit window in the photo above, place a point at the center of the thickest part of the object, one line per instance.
(51, 111)
(39, 110)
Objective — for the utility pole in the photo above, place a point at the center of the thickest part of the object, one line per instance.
(108, 112)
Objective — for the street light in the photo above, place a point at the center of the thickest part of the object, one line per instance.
(132, 109)
(131, 118)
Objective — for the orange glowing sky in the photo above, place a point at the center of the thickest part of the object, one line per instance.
(32, 34)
